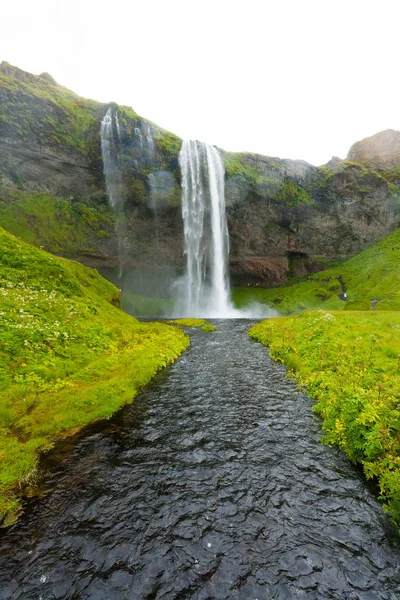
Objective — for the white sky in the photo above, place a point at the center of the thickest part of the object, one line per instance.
(288, 78)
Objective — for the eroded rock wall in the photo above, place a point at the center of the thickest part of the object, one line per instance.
(285, 217)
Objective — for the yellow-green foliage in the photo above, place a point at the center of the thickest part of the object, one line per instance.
(350, 363)
(202, 323)
(68, 355)
(371, 275)
(208, 327)
(189, 322)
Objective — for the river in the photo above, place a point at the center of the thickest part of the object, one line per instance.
(212, 485)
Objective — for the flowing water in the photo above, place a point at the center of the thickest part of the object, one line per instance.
(109, 131)
(212, 485)
(206, 242)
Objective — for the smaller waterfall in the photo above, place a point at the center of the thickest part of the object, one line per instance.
(206, 243)
(110, 134)
(109, 125)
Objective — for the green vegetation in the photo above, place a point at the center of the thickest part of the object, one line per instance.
(350, 363)
(202, 323)
(60, 226)
(68, 355)
(37, 109)
(237, 163)
(168, 148)
(371, 280)
(189, 322)
(208, 327)
(264, 177)
(327, 187)
(291, 194)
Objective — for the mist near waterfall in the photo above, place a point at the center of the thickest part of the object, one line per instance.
(204, 290)
(154, 289)
(109, 132)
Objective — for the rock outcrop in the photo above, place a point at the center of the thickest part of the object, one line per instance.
(380, 151)
(285, 217)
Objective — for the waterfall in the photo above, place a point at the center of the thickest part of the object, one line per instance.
(110, 136)
(206, 243)
(110, 161)
(117, 127)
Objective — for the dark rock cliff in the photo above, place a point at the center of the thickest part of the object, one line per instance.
(285, 217)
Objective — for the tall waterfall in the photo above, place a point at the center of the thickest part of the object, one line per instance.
(206, 244)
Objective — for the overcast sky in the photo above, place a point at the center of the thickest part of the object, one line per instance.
(288, 78)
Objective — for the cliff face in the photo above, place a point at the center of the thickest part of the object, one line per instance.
(380, 151)
(284, 217)
(50, 153)
(323, 215)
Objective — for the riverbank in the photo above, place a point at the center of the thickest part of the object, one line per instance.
(350, 363)
(367, 281)
(69, 355)
(213, 484)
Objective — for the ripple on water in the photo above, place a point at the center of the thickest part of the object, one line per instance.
(212, 485)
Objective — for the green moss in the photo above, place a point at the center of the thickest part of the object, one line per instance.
(202, 323)
(208, 327)
(68, 355)
(38, 111)
(262, 177)
(48, 114)
(292, 194)
(168, 148)
(189, 322)
(349, 362)
(347, 181)
(60, 226)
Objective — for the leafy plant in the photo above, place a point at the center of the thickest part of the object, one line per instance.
(349, 362)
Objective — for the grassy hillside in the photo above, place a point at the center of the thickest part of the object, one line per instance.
(68, 355)
(350, 363)
(371, 279)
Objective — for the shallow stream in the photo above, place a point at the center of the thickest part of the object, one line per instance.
(212, 485)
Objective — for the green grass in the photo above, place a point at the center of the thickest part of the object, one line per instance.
(202, 323)
(208, 327)
(349, 362)
(189, 322)
(68, 355)
(371, 278)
